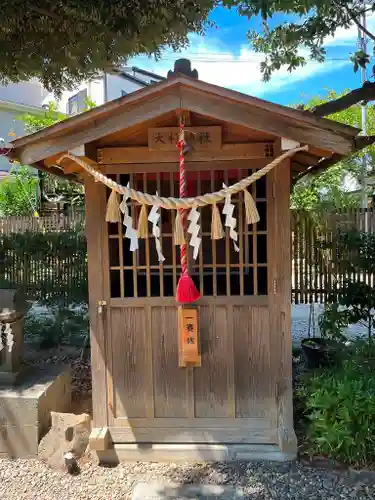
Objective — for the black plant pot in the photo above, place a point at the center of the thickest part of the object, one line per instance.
(319, 352)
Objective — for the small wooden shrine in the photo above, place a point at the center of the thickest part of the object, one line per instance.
(187, 189)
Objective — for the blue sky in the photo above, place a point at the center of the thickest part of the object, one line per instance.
(224, 57)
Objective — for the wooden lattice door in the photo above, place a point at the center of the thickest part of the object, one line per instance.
(151, 399)
(219, 269)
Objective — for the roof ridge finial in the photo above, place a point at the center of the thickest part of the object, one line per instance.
(183, 66)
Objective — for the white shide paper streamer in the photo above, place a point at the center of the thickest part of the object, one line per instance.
(230, 221)
(154, 217)
(130, 232)
(6, 329)
(193, 229)
(9, 337)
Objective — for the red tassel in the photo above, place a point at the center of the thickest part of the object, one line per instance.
(186, 290)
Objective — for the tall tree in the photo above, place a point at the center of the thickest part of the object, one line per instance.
(62, 43)
(316, 20)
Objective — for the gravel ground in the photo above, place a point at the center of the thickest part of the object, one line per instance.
(31, 480)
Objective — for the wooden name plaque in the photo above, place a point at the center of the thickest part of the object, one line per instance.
(200, 138)
(188, 337)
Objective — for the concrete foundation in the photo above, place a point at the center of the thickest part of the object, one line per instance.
(190, 452)
(25, 409)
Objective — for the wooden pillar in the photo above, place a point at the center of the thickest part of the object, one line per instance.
(280, 304)
(95, 198)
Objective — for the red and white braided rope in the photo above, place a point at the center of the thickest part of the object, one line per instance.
(183, 194)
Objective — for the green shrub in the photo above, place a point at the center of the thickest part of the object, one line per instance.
(57, 325)
(340, 407)
(48, 267)
(353, 300)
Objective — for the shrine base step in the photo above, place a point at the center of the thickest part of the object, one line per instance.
(191, 452)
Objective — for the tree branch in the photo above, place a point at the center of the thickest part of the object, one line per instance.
(58, 17)
(44, 12)
(354, 18)
(364, 93)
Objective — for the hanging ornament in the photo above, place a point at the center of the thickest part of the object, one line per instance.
(186, 290)
(9, 337)
(154, 217)
(216, 226)
(252, 214)
(142, 230)
(193, 229)
(230, 221)
(113, 209)
(178, 236)
(130, 232)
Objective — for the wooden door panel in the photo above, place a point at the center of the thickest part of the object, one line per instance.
(233, 383)
(130, 351)
(229, 397)
(213, 381)
(253, 369)
(170, 391)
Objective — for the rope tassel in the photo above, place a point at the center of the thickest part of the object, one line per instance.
(113, 213)
(217, 232)
(252, 214)
(179, 236)
(142, 230)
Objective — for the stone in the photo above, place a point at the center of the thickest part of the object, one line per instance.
(25, 410)
(13, 307)
(163, 491)
(13, 300)
(11, 361)
(68, 433)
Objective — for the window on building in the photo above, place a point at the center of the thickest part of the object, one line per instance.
(77, 103)
(218, 270)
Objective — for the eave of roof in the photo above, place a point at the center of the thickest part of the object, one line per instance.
(148, 73)
(133, 79)
(77, 121)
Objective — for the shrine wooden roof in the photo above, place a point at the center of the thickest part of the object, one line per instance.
(157, 104)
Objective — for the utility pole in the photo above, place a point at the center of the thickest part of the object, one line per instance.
(362, 45)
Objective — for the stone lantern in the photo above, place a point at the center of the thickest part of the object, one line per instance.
(12, 312)
(27, 397)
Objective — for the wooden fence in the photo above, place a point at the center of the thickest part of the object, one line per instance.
(314, 271)
(54, 222)
(45, 257)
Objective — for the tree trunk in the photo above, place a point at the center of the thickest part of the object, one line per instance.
(365, 93)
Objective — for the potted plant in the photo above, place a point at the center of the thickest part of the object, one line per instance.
(351, 302)
(323, 350)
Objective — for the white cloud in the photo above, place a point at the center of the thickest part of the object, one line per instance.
(349, 36)
(239, 71)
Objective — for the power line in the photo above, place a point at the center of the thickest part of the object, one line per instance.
(219, 58)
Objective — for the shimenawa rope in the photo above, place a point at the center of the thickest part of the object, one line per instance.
(171, 203)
